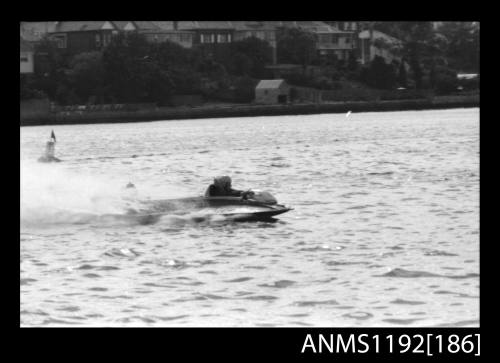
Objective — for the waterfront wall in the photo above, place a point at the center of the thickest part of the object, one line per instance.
(247, 110)
(35, 110)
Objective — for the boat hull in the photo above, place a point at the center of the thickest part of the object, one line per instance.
(232, 208)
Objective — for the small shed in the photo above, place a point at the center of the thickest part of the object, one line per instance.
(272, 91)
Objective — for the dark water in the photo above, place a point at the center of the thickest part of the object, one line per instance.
(385, 230)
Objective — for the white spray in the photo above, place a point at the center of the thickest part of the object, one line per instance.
(52, 194)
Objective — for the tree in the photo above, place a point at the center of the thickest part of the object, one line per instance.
(296, 46)
(462, 51)
(352, 63)
(416, 35)
(379, 74)
(422, 47)
(86, 75)
(258, 53)
(133, 74)
(402, 77)
(169, 54)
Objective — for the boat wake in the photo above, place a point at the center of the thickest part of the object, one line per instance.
(52, 195)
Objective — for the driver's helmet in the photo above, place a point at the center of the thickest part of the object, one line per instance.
(223, 182)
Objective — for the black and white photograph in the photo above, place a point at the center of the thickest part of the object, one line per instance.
(243, 173)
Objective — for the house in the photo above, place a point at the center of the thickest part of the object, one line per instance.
(83, 36)
(27, 57)
(329, 39)
(272, 91)
(374, 43)
(208, 32)
(352, 26)
(161, 31)
(34, 31)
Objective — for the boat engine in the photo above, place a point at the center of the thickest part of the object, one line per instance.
(263, 197)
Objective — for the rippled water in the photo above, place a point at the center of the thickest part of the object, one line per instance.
(385, 230)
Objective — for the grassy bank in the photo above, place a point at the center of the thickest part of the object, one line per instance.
(244, 110)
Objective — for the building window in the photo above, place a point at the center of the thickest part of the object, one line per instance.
(24, 58)
(185, 37)
(347, 40)
(60, 41)
(97, 41)
(207, 38)
(222, 38)
(106, 39)
(324, 38)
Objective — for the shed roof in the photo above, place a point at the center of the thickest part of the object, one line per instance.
(270, 83)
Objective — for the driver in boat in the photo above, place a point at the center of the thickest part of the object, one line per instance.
(221, 187)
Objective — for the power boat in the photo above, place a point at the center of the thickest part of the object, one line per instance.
(260, 205)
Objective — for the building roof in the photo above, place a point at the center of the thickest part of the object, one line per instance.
(270, 83)
(201, 25)
(320, 27)
(161, 26)
(146, 25)
(365, 34)
(78, 26)
(253, 25)
(122, 24)
(214, 25)
(69, 26)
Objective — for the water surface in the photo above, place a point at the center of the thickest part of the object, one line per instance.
(385, 230)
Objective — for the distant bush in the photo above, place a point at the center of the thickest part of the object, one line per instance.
(244, 89)
(352, 94)
(298, 79)
(379, 74)
(28, 88)
(409, 94)
(443, 80)
(321, 81)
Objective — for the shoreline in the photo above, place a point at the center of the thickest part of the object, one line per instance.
(245, 110)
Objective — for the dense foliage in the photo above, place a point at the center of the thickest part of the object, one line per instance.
(131, 70)
(296, 47)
